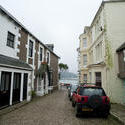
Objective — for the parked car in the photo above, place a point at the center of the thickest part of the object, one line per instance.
(71, 89)
(90, 99)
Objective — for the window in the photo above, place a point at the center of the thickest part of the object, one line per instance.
(84, 60)
(10, 40)
(85, 78)
(30, 48)
(91, 91)
(84, 42)
(48, 56)
(41, 54)
(17, 80)
(5, 81)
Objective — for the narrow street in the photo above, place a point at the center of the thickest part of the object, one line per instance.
(54, 109)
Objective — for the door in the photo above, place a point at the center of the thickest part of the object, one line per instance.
(98, 79)
(5, 89)
(40, 86)
(25, 82)
(16, 87)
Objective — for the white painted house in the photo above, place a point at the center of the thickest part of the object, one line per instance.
(105, 35)
(21, 57)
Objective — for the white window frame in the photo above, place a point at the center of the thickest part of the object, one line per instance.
(42, 53)
(85, 79)
(86, 60)
(49, 57)
(85, 42)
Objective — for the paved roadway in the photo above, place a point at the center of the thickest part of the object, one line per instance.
(54, 109)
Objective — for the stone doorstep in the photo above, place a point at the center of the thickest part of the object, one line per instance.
(12, 108)
(115, 116)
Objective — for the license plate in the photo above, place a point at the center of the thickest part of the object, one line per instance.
(86, 109)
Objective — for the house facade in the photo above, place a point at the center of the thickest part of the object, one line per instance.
(104, 37)
(26, 64)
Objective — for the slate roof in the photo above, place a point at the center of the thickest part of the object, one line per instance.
(121, 47)
(12, 62)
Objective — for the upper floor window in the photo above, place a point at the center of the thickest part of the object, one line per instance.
(48, 57)
(30, 48)
(84, 60)
(10, 40)
(41, 54)
(84, 42)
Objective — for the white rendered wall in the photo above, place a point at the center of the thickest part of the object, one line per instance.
(115, 19)
(6, 25)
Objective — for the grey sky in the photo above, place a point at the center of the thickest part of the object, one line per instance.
(56, 21)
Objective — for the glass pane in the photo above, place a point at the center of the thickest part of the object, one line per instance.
(7, 82)
(2, 82)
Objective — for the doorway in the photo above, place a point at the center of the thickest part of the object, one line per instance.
(5, 89)
(16, 87)
(25, 81)
(98, 79)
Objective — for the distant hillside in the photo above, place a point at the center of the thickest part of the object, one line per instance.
(67, 75)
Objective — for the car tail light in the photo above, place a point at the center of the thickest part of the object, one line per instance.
(107, 100)
(79, 99)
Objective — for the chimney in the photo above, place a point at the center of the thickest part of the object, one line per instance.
(50, 46)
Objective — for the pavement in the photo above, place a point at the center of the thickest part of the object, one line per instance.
(118, 112)
(52, 109)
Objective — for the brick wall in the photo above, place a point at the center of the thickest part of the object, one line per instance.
(36, 63)
(22, 54)
(54, 66)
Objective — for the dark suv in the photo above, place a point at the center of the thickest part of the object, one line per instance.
(91, 99)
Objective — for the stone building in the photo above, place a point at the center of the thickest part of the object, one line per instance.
(26, 64)
(98, 46)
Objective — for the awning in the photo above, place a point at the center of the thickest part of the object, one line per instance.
(6, 61)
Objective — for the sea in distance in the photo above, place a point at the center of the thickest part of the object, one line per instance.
(69, 81)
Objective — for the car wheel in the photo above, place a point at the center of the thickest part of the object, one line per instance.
(105, 115)
(77, 112)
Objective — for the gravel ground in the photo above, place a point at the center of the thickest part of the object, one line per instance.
(54, 109)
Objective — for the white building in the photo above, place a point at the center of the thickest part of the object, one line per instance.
(105, 36)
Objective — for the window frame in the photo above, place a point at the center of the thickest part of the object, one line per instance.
(48, 58)
(85, 61)
(85, 80)
(10, 39)
(30, 48)
(84, 42)
(41, 54)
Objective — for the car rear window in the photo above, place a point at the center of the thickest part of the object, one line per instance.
(92, 91)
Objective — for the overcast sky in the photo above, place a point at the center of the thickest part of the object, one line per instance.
(56, 21)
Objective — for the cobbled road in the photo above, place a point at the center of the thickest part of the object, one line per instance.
(53, 109)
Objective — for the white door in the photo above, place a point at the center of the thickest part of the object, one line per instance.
(40, 90)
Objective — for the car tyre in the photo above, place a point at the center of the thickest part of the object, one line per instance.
(105, 115)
